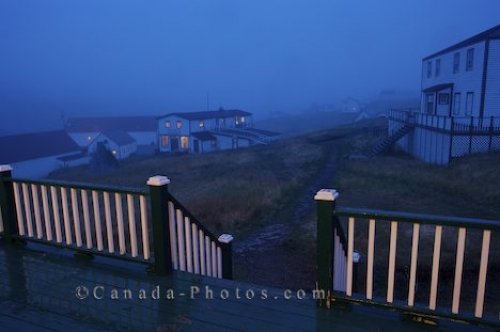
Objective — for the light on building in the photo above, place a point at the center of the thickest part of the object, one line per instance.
(114, 151)
(89, 138)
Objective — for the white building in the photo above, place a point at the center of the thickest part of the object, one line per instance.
(36, 155)
(119, 143)
(143, 129)
(199, 132)
(460, 105)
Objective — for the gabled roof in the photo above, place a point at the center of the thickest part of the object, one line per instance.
(219, 114)
(120, 123)
(203, 136)
(119, 137)
(493, 33)
(16, 148)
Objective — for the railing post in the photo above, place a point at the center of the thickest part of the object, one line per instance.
(158, 187)
(7, 203)
(325, 205)
(226, 245)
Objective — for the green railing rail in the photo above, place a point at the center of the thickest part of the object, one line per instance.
(392, 281)
(146, 226)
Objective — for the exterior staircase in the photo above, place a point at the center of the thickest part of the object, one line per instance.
(386, 144)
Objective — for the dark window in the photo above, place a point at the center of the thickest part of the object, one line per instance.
(456, 104)
(429, 69)
(469, 102)
(470, 59)
(444, 98)
(456, 62)
(165, 141)
(438, 67)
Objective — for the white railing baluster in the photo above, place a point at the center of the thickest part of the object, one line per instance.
(119, 223)
(413, 264)
(371, 252)
(180, 240)
(196, 249)
(86, 219)
(131, 225)
(187, 237)
(392, 261)
(97, 220)
(201, 240)
(173, 236)
(214, 260)
(46, 213)
(459, 263)
(208, 262)
(36, 209)
(435, 267)
(67, 226)
(144, 227)
(19, 212)
(54, 199)
(483, 267)
(76, 217)
(109, 225)
(27, 209)
(350, 250)
(219, 263)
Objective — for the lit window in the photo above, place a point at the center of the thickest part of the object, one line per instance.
(184, 142)
(165, 141)
(429, 69)
(168, 124)
(179, 124)
(202, 124)
(470, 59)
(456, 63)
(438, 67)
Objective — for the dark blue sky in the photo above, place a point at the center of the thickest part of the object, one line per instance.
(152, 57)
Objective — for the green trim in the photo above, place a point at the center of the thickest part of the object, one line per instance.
(381, 215)
(125, 257)
(83, 186)
(161, 229)
(420, 310)
(324, 250)
(7, 206)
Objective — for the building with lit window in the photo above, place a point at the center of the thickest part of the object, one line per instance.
(199, 132)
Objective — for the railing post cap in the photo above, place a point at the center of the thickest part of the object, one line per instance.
(158, 181)
(328, 195)
(226, 238)
(5, 168)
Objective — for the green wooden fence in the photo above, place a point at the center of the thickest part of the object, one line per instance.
(146, 226)
(345, 234)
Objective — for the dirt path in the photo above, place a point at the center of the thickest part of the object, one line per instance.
(269, 256)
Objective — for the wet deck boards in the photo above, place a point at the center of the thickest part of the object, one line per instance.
(38, 292)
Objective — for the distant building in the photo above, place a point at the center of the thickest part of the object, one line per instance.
(35, 155)
(207, 131)
(143, 129)
(460, 105)
(119, 143)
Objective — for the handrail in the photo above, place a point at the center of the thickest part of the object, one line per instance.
(81, 185)
(418, 218)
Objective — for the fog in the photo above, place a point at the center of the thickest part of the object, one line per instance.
(62, 58)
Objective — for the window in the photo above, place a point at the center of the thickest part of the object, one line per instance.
(184, 142)
(168, 124)
(469, 102)
(202, 124)
(165, 141)
(444, 98)
(470, 59)
(456, 104)
(456, 63)
(429, 69)
(179, 124)
(438, 67)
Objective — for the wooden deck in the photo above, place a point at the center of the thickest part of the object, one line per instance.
(38, 292)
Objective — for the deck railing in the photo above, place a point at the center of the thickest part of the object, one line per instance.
(145, 226)
(337, 242)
